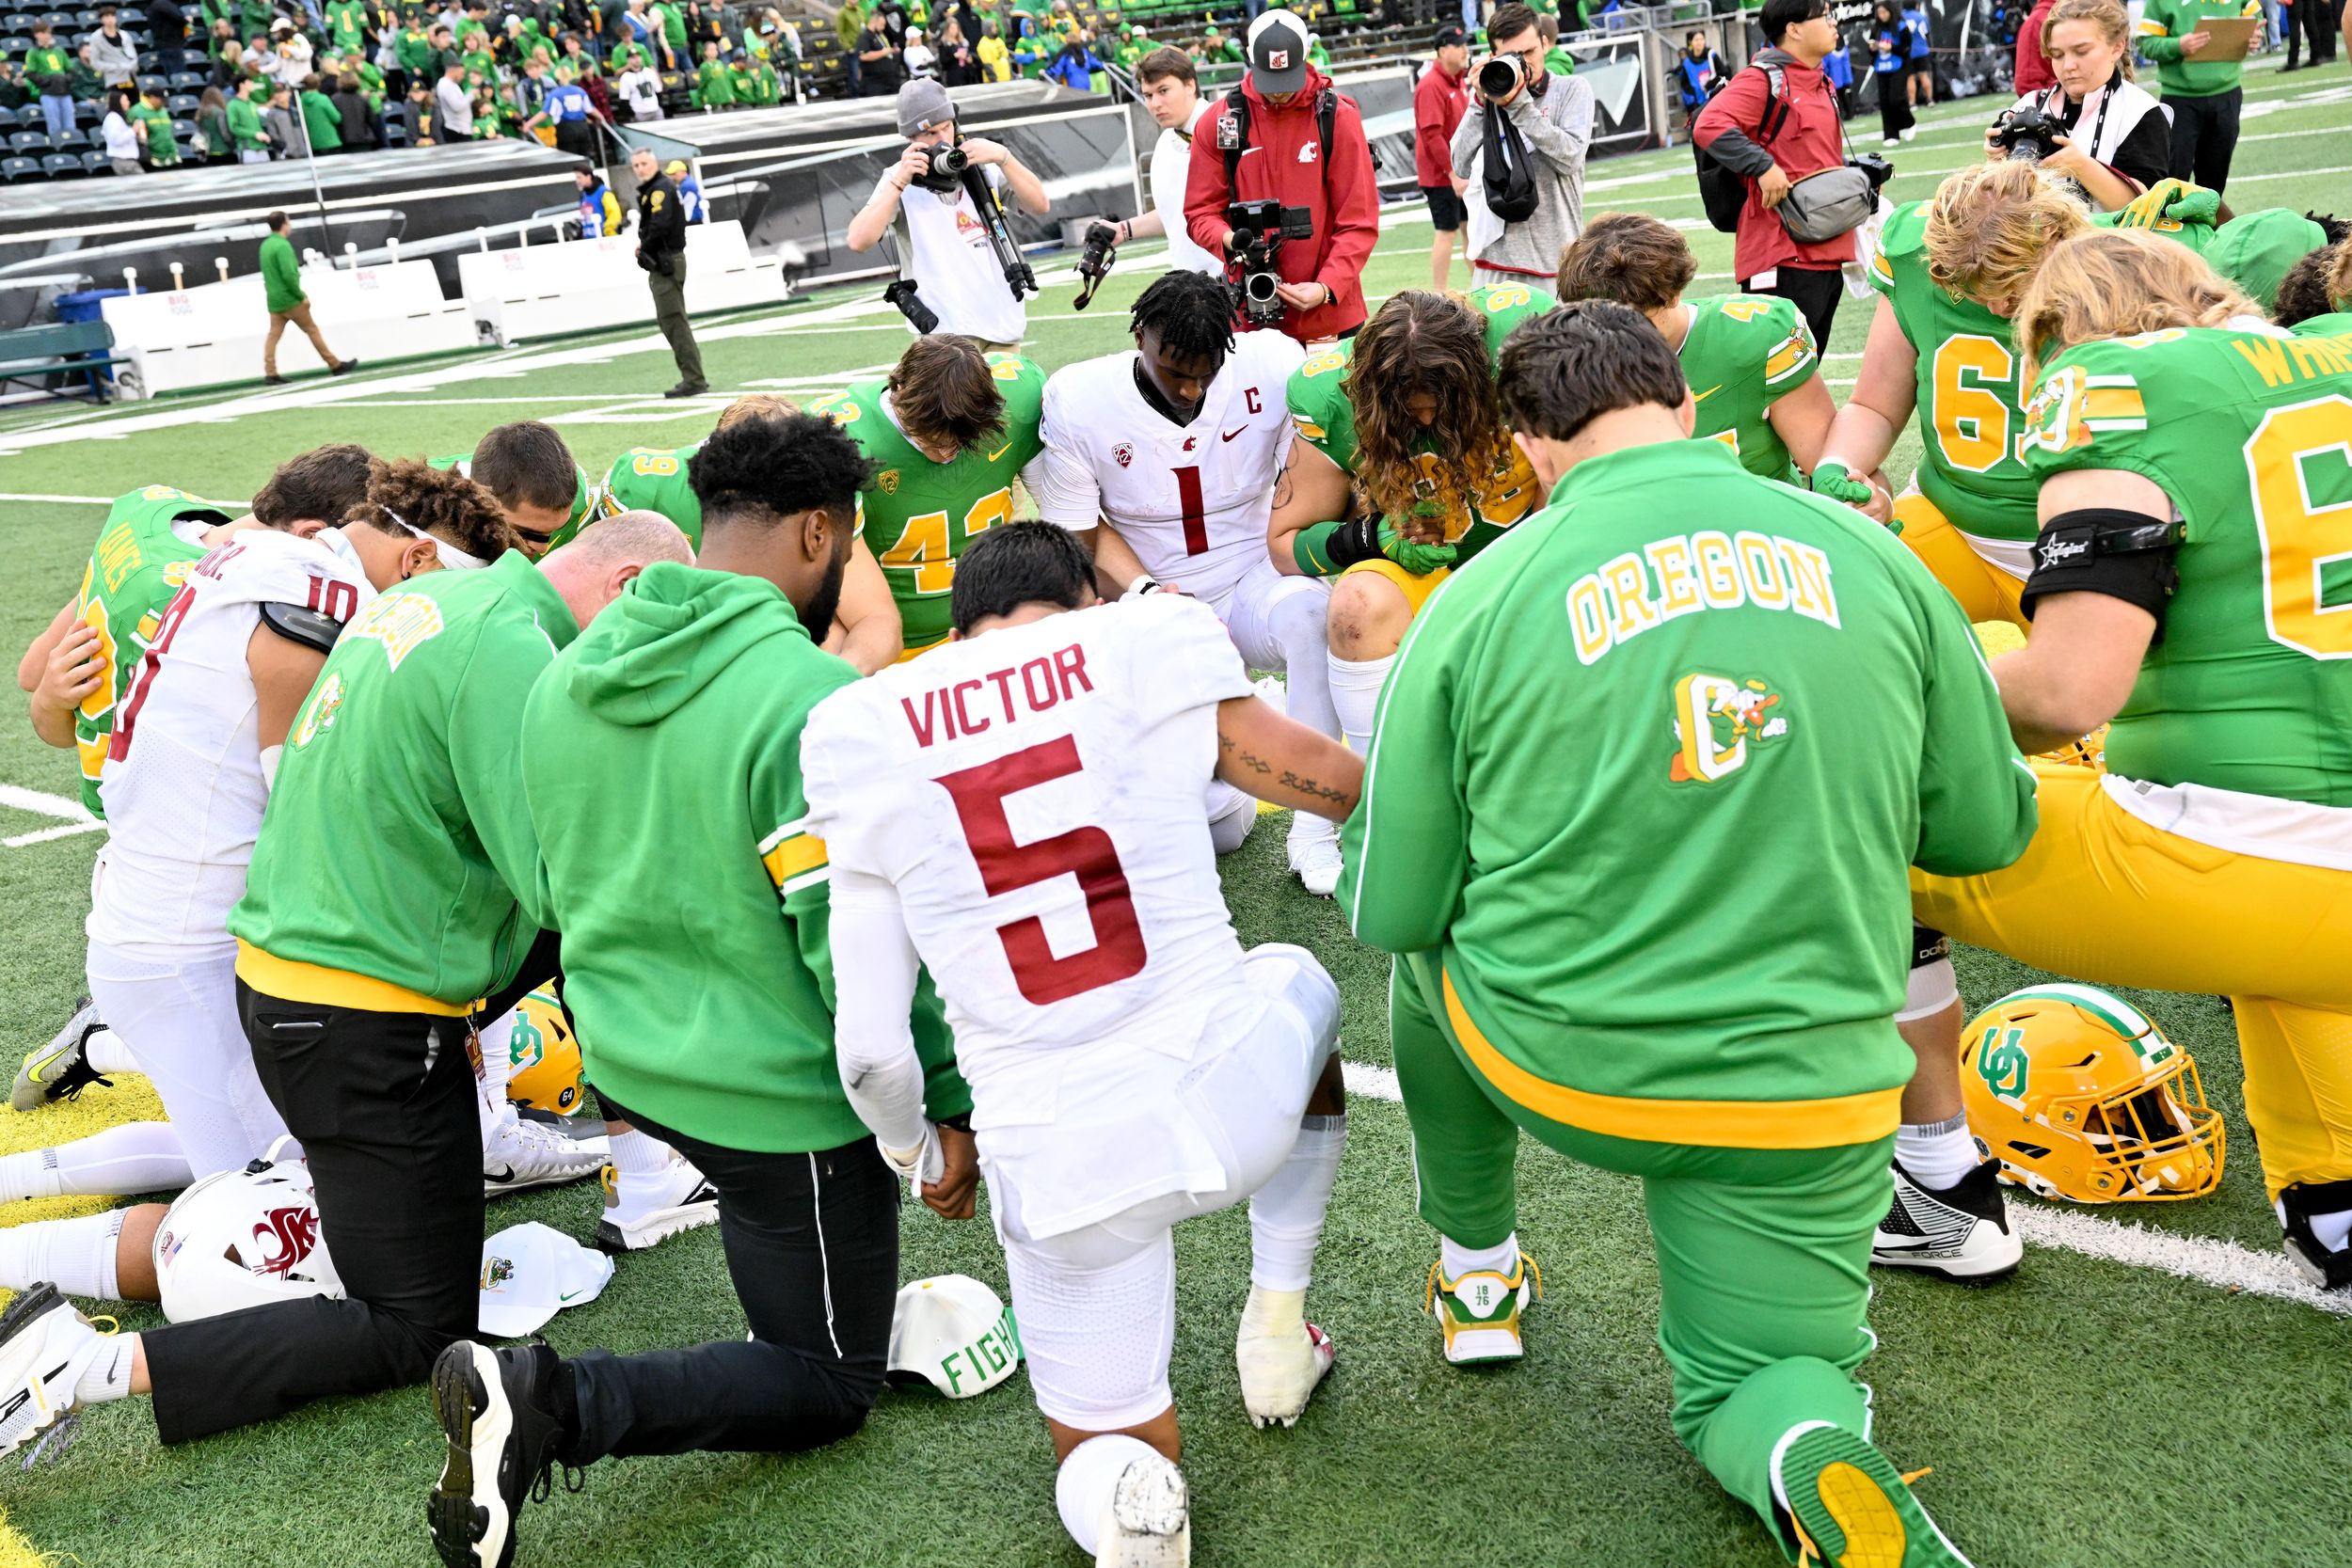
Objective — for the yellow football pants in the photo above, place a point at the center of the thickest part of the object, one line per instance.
(1983, 590)
(2104, 897)
(1415, 589)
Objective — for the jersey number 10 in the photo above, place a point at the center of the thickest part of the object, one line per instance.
(1006, 867)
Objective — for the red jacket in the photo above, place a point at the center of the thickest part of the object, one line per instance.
(2033, 67)
(1440, 101)
(1284, 162)
(1812, 139)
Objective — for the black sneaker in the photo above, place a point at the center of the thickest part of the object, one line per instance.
(688, 390)
(60, 1070)
(498, 1410)
(273, 381)
(1961, 1232)
(345, 368)
(2329, 1270)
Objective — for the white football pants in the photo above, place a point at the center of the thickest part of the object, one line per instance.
(1097, 1306)
(178, 1017)
(1280, 623)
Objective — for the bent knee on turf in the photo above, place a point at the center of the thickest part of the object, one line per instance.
(1367, 617)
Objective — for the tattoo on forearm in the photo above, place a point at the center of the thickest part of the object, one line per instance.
(1283, 489)
(1255, 764)
(1309, 787)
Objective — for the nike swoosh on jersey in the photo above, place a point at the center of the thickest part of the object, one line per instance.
(1000, 452)
(1702, 397)
(1231, 433)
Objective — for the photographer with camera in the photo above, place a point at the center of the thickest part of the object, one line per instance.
(2125, 143)
(1288, 140)
(662, 251)
(1521, 146)
(957, 269)
(1172, 95)
(1778, 124)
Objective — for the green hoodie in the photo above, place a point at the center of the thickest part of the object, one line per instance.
(396, 859)
(663, 765)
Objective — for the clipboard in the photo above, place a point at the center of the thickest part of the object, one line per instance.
(2230, 38)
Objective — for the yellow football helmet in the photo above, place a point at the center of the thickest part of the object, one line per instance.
(2080, 1096)
(546, 1054)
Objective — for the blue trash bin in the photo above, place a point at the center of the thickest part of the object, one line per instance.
(82, 306)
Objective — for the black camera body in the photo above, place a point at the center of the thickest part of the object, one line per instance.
(943, 170)
(1877, 168)
(1264, 225)
(2025, 133)
(920, 316)
(1094, 262)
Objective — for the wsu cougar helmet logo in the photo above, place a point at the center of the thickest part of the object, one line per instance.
(296, 1231)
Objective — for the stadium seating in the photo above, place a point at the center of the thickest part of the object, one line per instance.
(181, 105)
(64, 166)
(97, 162)
(18, 170)
(33, 143)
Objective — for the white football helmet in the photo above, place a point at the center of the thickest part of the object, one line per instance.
(243, 1238)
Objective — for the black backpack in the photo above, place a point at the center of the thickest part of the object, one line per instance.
(1722, 192)
(1326, 113)
(1510, 184)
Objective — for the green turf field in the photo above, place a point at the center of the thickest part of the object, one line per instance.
(2134, 1395)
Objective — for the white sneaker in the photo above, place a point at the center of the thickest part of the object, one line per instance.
(520, 1153)
(1909, 132)
(46, 1346)
(1317, 863)
(1151, 1518)
(1280, 1369)
(1961, 1232)
(1892, 141)
(654, 1206)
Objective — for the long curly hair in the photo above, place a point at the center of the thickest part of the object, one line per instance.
(1989, 225)
(443, 502)
(1420, 342)
(2119, 283)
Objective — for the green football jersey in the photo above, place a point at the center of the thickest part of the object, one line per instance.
(1744, 353)
(1319, 407)
(2336, 324)
(2250, 689)
(646, 479)
(583, 498)
(920, 514)
(137, 567)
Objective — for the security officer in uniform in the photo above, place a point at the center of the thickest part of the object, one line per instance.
(662, 251)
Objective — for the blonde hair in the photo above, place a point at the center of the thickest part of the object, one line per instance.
(756, 405)
(2119, 283)
(2105, 14)
(1988, 225)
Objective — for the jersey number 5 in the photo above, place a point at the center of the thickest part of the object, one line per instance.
(1006, 867)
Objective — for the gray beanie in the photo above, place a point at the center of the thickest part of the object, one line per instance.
(923, 103)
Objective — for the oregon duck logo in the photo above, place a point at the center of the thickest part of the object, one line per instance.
(1718, 722)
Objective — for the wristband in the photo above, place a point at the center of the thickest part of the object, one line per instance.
(1326, 549)
(1145, 583)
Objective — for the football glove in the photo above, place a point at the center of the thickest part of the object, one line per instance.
(1418, 559)
(2173, 201)
(1840, 483)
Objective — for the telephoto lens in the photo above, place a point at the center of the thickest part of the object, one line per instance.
(1498, 78)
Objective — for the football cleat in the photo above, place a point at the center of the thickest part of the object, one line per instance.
(519, 1153)
(1280, 1369)
(2300, 1207)
(1317, 863)
(1151, 1518)
(1961, 1232)
(46, 1347)
(497, 1409)
(59, 1069)
(1849, 1509)
(1478, 1315)
(656, 1207)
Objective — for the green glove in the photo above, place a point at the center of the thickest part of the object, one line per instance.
(1836, 481)
(1420, 559)
(2174, 200)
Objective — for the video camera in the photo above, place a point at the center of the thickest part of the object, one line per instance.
(1264, 225)
(943, 169)
(2025, 133)
(1094, 262)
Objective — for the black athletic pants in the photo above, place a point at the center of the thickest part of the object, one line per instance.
(2204, 135)
(384, 1104)
(811, 1245)
(1814, 290)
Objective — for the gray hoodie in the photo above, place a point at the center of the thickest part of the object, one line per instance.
(1557, 127)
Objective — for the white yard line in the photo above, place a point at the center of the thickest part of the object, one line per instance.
(74, 818)
(62, 501)
(2206, 1259)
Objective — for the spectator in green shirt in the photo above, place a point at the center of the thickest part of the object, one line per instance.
(154, 130)
(672, 17)
(50, 71)
(346, 24)
(211, 120)
(714, 84)
(321, 120)
(245, 124)
(282, 282)
(481, 64)
(849, 23)
(760, 87)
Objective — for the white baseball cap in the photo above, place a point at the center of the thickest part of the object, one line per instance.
(953, 1333)
(530, 1273)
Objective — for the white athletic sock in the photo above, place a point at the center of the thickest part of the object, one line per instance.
(1082, 1490)
(1355, 697)
(107, 1054)
(1297, 626)
(108, 1376)
(1269, 1314)
(1286, 1214)
(635, 1153)
(136, 1157)
(1938, 1153)
(78, 1255)
(497, 1065)
(1457, 1259)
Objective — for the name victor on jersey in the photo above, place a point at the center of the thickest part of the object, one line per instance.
(1044, 682)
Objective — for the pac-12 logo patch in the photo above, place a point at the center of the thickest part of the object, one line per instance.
(888, 480)
(1126, 452)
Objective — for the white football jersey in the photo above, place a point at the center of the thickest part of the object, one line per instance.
(1193, 500)
(182, 777)
(1035, 797)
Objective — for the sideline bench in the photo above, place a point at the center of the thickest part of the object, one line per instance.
(66, 348)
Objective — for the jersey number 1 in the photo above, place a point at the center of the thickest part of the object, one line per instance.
(1006, 867)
